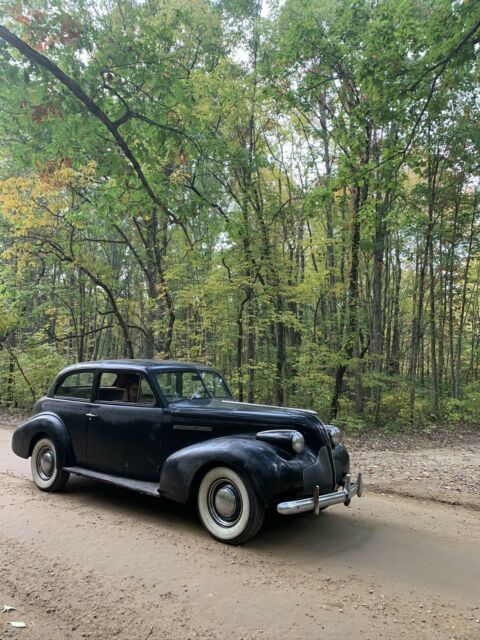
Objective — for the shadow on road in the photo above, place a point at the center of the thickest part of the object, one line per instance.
(380, 539)
(333, 531)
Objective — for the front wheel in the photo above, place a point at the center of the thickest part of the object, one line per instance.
(44, 467)
(228, 506)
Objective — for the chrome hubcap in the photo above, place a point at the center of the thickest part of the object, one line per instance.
(224, 503)
(45, 463)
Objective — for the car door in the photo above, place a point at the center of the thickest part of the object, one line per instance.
(124, 433)
(71, 402)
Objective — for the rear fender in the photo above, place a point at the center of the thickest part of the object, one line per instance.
(271, 470)
(43, 425)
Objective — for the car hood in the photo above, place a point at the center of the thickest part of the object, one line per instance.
(232, 417)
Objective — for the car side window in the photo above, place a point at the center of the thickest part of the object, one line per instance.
(76, 385)
(145, 393)
(168, 384)
(125, 387)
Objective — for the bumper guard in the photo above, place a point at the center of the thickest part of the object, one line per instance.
(317, 502)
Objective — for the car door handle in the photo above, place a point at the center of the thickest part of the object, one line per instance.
(91, 415)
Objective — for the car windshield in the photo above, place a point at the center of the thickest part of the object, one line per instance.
(192, 385)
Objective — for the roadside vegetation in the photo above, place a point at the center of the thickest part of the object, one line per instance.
(291, 195)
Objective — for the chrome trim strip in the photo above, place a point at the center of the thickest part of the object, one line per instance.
(317, 502)
(191, 427)
(271, 406)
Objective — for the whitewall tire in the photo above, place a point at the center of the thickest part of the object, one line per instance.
(44, 466)
(228, 506)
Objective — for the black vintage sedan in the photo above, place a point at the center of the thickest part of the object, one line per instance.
(173, 430)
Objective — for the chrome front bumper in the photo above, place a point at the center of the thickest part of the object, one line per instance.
(317, 502)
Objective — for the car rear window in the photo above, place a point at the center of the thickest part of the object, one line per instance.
(76, 385)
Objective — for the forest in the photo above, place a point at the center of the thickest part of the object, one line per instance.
(288, 191)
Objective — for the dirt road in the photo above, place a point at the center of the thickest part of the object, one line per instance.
(100, 562)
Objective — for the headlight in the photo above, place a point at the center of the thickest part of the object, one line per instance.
(298, 442)
(287, 439)
(335, 434)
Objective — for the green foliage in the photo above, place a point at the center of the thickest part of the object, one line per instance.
(27, 374)
(291, 198)
(465, 409)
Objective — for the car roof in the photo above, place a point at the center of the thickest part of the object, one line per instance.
(137, 364)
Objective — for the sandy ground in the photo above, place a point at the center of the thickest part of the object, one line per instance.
(98, 562)
(443, 466)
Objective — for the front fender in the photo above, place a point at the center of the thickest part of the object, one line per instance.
(271, 471)
(43, 424)
(341, 462)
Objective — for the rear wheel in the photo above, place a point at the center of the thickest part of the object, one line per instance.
(228, 506)
(44, 466)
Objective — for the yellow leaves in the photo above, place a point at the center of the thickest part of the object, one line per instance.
(24, 204)
(63, 327)
(39, 201)
(178, 176)
(37, 208)
(89, 171)
(62, 175)
(8, 320)
(9, 253)
(412, 178)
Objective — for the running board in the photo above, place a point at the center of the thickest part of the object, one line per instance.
(142, 486)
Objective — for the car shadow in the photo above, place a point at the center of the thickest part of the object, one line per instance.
(333, 531)
(363, 540)
(115, 499)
